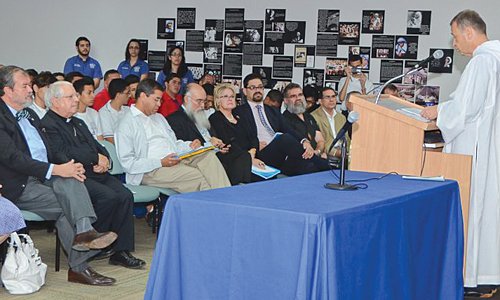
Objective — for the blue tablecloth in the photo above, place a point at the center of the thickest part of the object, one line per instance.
(293, 239)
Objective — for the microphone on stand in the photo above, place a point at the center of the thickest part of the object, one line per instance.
(435, 55)
(341, 186)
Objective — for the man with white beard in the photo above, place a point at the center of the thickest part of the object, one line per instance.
(469, 124)
(190, 123)
(300, 120)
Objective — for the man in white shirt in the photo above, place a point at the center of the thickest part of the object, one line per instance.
(329, 121)
(85, 91)
(149, 150)
(469, 123)
(115, 109)
(40, 85)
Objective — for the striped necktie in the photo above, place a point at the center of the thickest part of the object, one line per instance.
(22, 114)
(263, 120)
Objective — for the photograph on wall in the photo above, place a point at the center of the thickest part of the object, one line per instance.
(282, 66)
(304, 56)
(382, 46)
(186, 18)
(233, 41)
(254, 31)
(212, 52)
(373, 21)
(196, 69)
(279, 84)
(315, 77)
(334, 68)
(233, 80)
(427, 95)
(326, 44)
(156, 60)
(232, 64)
(214, 30)
(389, 69)
(194, 40)
(274, 16)
(418, 78)
(215, 70)
(418, 22)
(273, 43)
(174, 43)
(444, 64)
(235, 18)
(166, 28)
(349, 33)
(406, 92)
(144, 44)
(295, 32)
(332, 84)
(406, 47)
(265, 73)
(364, 53)
(252, 54)
(328, 20)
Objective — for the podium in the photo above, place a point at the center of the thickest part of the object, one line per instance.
(385, 140)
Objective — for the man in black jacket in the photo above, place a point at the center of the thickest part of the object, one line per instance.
(70, 139)
(53, 191)
(277, 144)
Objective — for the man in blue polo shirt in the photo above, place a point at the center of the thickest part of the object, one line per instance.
(83, 63)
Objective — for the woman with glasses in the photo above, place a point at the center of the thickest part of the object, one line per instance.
(176, 63)
(133, 65)
(229, 129)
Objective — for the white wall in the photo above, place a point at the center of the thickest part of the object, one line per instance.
(41, 34)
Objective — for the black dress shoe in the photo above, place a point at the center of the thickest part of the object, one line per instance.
(105, 253)
(93, 240)
(127, 260)
(90, 277)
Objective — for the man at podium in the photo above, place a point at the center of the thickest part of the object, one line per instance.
(469, 122)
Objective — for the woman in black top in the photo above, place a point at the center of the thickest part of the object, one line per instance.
(225, 126)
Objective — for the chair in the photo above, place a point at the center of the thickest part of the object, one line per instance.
(33, 217)
(142, 194)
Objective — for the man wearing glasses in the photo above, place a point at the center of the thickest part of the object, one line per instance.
(277, 144)
(114, 110)
(329, 120)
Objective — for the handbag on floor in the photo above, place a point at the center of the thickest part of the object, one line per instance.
(23, 271)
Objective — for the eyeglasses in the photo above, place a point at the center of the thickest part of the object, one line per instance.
(225, 97)
(134, 47)
(330, 97)
(255, 88)
(176, 55)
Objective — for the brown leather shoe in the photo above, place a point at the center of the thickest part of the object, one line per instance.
(93, 240)
(90, 277)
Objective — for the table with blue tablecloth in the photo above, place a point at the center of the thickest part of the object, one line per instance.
(293, 239)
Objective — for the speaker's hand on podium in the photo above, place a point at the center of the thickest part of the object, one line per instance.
(429, 112)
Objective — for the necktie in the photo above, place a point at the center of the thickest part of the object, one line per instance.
(263, 120)
(22, 114)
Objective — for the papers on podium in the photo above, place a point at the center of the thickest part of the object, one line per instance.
(265, 173)
(196, 151)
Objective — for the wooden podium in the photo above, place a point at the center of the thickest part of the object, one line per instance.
(385, 140)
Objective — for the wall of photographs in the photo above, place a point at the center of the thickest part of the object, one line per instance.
(304, 43)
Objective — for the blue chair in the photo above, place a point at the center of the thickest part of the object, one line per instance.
(142, 194)
(33, 217)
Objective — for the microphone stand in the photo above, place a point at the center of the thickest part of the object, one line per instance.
(341, 186)
(394, 79)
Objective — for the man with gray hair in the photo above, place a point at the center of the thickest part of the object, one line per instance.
(301, 121)
(53, 191)
(470, 124)
(70, 139)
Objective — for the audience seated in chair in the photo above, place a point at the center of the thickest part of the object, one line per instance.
(149, 150)
(53, 191)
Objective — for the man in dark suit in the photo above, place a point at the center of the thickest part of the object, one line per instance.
(286, 151)
(53, 191)
(70, 139)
